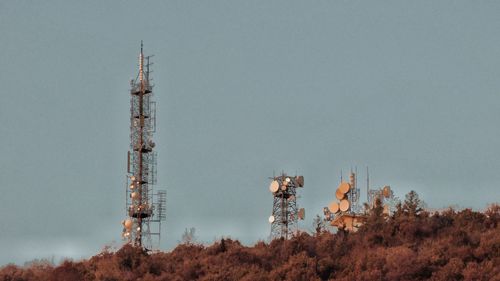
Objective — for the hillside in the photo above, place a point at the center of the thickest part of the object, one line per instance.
(409, 245)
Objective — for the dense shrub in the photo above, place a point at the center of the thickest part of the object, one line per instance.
(410, 245)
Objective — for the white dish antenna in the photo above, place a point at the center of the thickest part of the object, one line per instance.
(128, 224)
(386, 191)
(344, 205)
(333, 207)
(344, 187)
(339, 194)
(274, 186)
(271, 219)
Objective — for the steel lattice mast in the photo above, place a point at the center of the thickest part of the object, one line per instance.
(144, 207)
(285, 214)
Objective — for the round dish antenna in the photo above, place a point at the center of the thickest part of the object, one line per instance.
(386, 191)
(344, 205)
(271, 219)
(274, 186)
(128, 224)
(333, 207)
(300, 181)
(344, 187)
(339, 194)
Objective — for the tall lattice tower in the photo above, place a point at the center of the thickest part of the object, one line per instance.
(145, 206)
(285, 215)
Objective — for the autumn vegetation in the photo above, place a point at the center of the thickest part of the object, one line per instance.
(411, 244)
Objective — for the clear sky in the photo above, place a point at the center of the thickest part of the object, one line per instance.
(244, 89)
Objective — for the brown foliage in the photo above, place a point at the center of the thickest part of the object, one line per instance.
(411, 245)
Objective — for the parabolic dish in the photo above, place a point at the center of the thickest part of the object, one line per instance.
(386, 191)
(134, 195)
(127, 224)
(274, 186)
(300, 180)
(333, 207)
(339, 194)
(271, 219)
(344, 205)
(344, 187)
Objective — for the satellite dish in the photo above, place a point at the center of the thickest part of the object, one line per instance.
(134, 195)
(128, 224)
(274, 186)
(344, 187)
(386, 191)
(333, 207)
(300, 180)
(344, 205)
(339, 194)
(132, 186)
(287, 180)
(271, 219)
(132, 178)
(302, 213)
(283, 187)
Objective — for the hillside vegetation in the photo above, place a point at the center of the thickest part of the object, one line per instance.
(409, 245)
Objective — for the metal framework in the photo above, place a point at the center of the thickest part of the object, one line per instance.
(145, 207)
(285, 214)
(354, 215)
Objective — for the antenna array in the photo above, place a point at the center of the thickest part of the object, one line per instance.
(145, 207)
(285, 214)
(346, 212)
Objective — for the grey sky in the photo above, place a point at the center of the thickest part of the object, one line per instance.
(244, 88)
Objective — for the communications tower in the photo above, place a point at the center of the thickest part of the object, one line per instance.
(145, 206)
(285, 214)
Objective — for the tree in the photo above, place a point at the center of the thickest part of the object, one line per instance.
(188, 237)
(319, 225)
(412, 206)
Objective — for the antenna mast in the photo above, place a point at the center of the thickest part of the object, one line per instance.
(145, 208)
(285, 214)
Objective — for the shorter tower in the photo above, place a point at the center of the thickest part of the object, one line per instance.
(346, 213)
(285, 214)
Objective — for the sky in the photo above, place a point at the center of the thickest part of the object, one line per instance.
(244, 90)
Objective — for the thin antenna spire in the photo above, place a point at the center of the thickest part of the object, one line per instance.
(367, 184)
(141, 66)
(341, 178)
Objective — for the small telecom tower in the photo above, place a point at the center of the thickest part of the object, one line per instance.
(145, 206)
(346, 213)
(285, 215)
